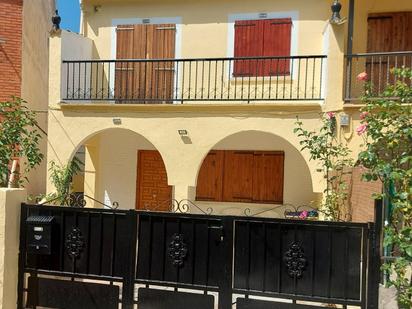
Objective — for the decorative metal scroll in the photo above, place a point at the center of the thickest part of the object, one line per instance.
(182, 206)
(77, 200)
(295, 260)
(177, 250)
(291, 211)
(75, 243)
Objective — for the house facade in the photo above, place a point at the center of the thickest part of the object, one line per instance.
(175, 100)
(24, 64)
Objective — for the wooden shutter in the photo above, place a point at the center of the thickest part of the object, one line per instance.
(268, 177)
(276, 43)
(387, 32)
(124, 76)
(160, 75)
(145, 80)
(380, 33)
(238, 176)
(209, 184)
(153, 192)
(248, 43)
(242, 176)
(264, 37)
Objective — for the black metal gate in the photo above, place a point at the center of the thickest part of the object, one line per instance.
(76, 258)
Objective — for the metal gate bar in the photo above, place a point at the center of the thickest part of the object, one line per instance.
(210, 257)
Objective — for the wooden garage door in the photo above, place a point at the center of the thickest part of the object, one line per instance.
(152, 192)
(241, 176)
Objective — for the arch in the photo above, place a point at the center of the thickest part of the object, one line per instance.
(112, 166)
(97, 132)
(296, 165)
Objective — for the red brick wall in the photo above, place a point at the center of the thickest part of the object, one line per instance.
(11, 21)
(361, 197)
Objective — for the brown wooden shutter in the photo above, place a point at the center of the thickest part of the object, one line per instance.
(380, 33)
(209, 184)
(160, 45)
(248, 43)
(145, 80)
(238, 176)
(124, 75)
(277, 42)
(387, 32)
(152, 192)
(268, 177)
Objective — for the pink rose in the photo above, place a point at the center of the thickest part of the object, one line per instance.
(330, 115)
(363, 115)
(303, 214)
(362, 129)
(362, 77)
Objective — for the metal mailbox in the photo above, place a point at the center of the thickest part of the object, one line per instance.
(39, 234)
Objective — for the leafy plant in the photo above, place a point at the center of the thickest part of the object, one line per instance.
(387, 131)
(61, 177)
(334, 157)
(19, 140)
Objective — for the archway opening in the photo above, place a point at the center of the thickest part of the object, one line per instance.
(122, 168)
(254, 171)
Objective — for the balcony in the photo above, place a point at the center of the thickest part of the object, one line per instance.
(151, 81)
(379, 67)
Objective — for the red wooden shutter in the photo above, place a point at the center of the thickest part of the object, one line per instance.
(276, 42)
(268, 177)
(248, 43)
(238, 176)
(209, 182)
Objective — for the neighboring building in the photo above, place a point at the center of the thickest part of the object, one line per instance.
(197, 100)
(24, 58)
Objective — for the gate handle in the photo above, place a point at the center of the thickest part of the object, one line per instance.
(220, 228)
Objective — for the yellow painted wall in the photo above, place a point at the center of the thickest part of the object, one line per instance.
(111, 154)
(10, 201)
(204, 24)
(272, 129)
(35, 59)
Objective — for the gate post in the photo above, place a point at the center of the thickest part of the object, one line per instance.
(130, 272)
(225, 294)
(374, 260)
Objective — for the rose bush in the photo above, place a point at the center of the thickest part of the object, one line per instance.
(386, 126)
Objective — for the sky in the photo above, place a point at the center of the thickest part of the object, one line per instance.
(69, 10)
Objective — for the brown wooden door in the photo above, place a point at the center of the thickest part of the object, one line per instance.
(146, 81)
(387, 32)
(152, 190)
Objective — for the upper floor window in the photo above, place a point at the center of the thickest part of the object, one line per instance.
(263, 38)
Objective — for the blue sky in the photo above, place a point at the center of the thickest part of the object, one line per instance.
(69, 10)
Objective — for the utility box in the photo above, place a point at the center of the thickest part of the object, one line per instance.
(39, 234)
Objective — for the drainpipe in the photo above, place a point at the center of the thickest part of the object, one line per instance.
(349, 48)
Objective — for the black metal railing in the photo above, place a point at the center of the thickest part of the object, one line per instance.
(179, 80)
(379, 68)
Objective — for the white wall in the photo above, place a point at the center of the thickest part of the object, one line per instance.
(74, 47)
(118, 166)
